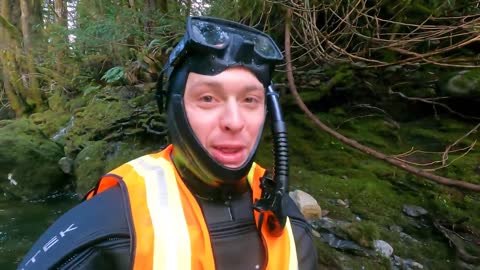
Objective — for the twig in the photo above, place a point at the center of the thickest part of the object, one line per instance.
(353, 118)
(433, 102)
(444, 158)
(457, 243)
(412, 151)
(447, 150)
(457, 158)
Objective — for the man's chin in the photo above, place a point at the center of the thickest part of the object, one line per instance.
(231, 165)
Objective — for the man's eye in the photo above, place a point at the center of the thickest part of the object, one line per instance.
(252, 100)
(206, 98)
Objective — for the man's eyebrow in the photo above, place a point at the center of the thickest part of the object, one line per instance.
(253, 87)
(215, 84)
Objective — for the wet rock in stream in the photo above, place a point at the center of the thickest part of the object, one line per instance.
(383, 248)
(414, 211)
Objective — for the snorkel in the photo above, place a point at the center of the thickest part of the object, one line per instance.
(209, 47)
(273, 199)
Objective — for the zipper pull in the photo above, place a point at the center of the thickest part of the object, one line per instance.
(228, 204)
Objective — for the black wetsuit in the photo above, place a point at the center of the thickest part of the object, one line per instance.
(95, 235)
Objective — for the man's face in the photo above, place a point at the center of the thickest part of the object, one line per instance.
(226, 113)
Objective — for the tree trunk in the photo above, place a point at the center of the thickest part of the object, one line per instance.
(130, 39)
(61, 21)
(14, 12)
(26, 25)
(163, 6)
(131, 4)
(13, 99)
(7, 60)
(60, 13)
(37, 23)
(189, 7)
(33, 95)
(148, 8)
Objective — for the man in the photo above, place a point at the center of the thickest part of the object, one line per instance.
(201, 203)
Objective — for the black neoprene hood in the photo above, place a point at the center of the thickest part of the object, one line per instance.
(238, 47)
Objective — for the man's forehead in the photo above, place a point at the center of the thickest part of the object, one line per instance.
(198, 80)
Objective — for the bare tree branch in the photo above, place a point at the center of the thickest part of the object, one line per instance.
(355, 31)
(391, 160)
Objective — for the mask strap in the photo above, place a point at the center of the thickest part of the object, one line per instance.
(160, 92)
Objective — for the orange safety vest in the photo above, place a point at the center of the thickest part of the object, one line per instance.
(168, 223)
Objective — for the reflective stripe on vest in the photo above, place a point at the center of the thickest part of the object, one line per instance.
(168, 222)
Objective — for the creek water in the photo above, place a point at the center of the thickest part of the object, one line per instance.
(22, 223)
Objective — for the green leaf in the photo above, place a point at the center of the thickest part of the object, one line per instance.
(114, 74)
(89, 89)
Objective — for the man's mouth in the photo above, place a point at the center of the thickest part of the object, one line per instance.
(229, 155)
(229, 150)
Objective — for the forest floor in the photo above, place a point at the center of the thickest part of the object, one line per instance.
(368, 197)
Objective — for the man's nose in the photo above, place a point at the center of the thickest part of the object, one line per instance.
(232, 118)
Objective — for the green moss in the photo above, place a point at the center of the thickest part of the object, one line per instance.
(379, 263)
(50, 122)
(95, 121)
(90, 165)
(329, 170)
(363, 232)
(427, 247)
(142, 99)
(30, 158)
(122, 152)
(327, 256)
(57, 101)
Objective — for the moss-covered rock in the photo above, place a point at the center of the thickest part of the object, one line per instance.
(28, 162)
(57, 101)
(112, 116)
(464, 83)
(50, 122)
(363, 232)
(93, 122)
(100, 157)
(89, 166)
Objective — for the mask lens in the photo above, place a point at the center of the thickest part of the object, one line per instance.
(226, 38)
(265, 48)
(209, 34)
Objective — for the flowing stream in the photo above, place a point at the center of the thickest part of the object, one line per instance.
(21, 223)
(64, 130)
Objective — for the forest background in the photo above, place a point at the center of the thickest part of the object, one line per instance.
(381, 98)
